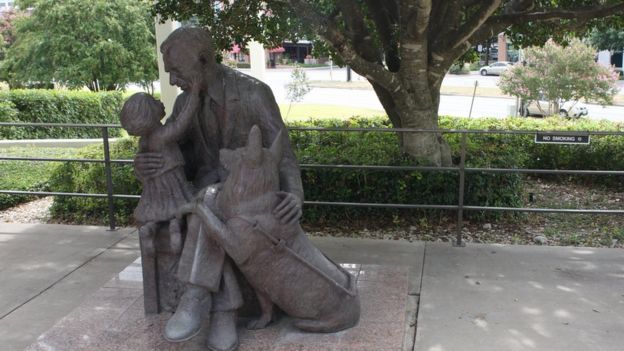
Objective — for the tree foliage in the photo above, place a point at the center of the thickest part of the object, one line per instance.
(7, 29)
(403, 47)
(101, 44)
(556, 73)
(607, 39)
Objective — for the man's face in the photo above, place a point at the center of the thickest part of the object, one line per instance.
(182, 66)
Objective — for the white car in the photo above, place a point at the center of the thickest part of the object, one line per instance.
(566, 109)
(496, 68)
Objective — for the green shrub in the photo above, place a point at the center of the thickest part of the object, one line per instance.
(90, 178)
(382, 186)
(603, 152)
(54, 106)
(8, 113)
(459, 68)
(406, 187)
(403, 187)
(474, 66)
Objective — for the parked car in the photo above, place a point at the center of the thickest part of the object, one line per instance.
(495, 68)
(573, 109)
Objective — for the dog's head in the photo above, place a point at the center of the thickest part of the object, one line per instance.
(253, 155)
(252, 170)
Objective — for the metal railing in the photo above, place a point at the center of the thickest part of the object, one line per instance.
(461, 169)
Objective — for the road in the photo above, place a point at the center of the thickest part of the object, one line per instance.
(452, 105)
(449, 104)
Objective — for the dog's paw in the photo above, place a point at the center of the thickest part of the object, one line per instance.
(260, 323)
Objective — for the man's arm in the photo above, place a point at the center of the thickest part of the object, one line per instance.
(289, 209)
(176, 128)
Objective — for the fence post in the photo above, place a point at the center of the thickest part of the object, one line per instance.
(462, 179)
(109, 180)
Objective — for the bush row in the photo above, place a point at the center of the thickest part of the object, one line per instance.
(54, 106)
(605, 152)
(398, 187)
(368, 148)
(90, 178)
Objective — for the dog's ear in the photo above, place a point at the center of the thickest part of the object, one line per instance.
(277, 147)
(227, 158)
(253, 152)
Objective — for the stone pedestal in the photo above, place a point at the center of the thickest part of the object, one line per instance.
(113, 319)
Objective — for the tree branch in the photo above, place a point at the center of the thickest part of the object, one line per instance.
(581, 13)
(385, 15)
(414, 22)
(328, 29)
(445, 18)
(465, 31)
(357, 31)
(498, 23)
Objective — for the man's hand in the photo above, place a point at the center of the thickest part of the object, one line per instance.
(288, 211)
(147, 164)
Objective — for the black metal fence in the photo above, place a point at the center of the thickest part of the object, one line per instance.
(460, 169)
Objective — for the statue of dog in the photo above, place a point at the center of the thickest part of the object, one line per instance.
(279, 261)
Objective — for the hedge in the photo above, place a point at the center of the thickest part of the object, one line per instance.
(603, 153)
(368, 148)
(90, 178)
(56, 106)
(407, 187)
(403, 187)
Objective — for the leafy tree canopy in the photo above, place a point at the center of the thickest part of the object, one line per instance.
(403, 47)
(7, 29)
(101, 44)
(607, 39)
(526, 22)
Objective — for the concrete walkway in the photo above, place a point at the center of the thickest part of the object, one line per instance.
(481, 297)
(48, 270)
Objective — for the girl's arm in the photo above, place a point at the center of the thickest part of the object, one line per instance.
(174, 130)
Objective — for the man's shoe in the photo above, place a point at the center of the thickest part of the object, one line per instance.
(222, 334)
(186, 321)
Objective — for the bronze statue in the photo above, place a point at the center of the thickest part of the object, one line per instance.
(199, 283)
(278, 260)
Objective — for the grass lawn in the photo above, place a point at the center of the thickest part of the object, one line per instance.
(28, 175)
(306, 111)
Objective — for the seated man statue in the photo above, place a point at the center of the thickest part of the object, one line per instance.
(230, 103)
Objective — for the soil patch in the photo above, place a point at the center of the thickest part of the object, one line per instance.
(524, 228)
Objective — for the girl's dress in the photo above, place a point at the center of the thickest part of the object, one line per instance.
(167, 190)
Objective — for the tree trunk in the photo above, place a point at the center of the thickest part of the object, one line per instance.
(414, 111)
(429, 148)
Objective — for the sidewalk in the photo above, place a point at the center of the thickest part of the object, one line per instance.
(48, 270)
(481, 297)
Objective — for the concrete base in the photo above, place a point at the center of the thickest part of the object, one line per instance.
(113, 319)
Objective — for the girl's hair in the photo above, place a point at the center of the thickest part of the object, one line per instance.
(138, 114)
